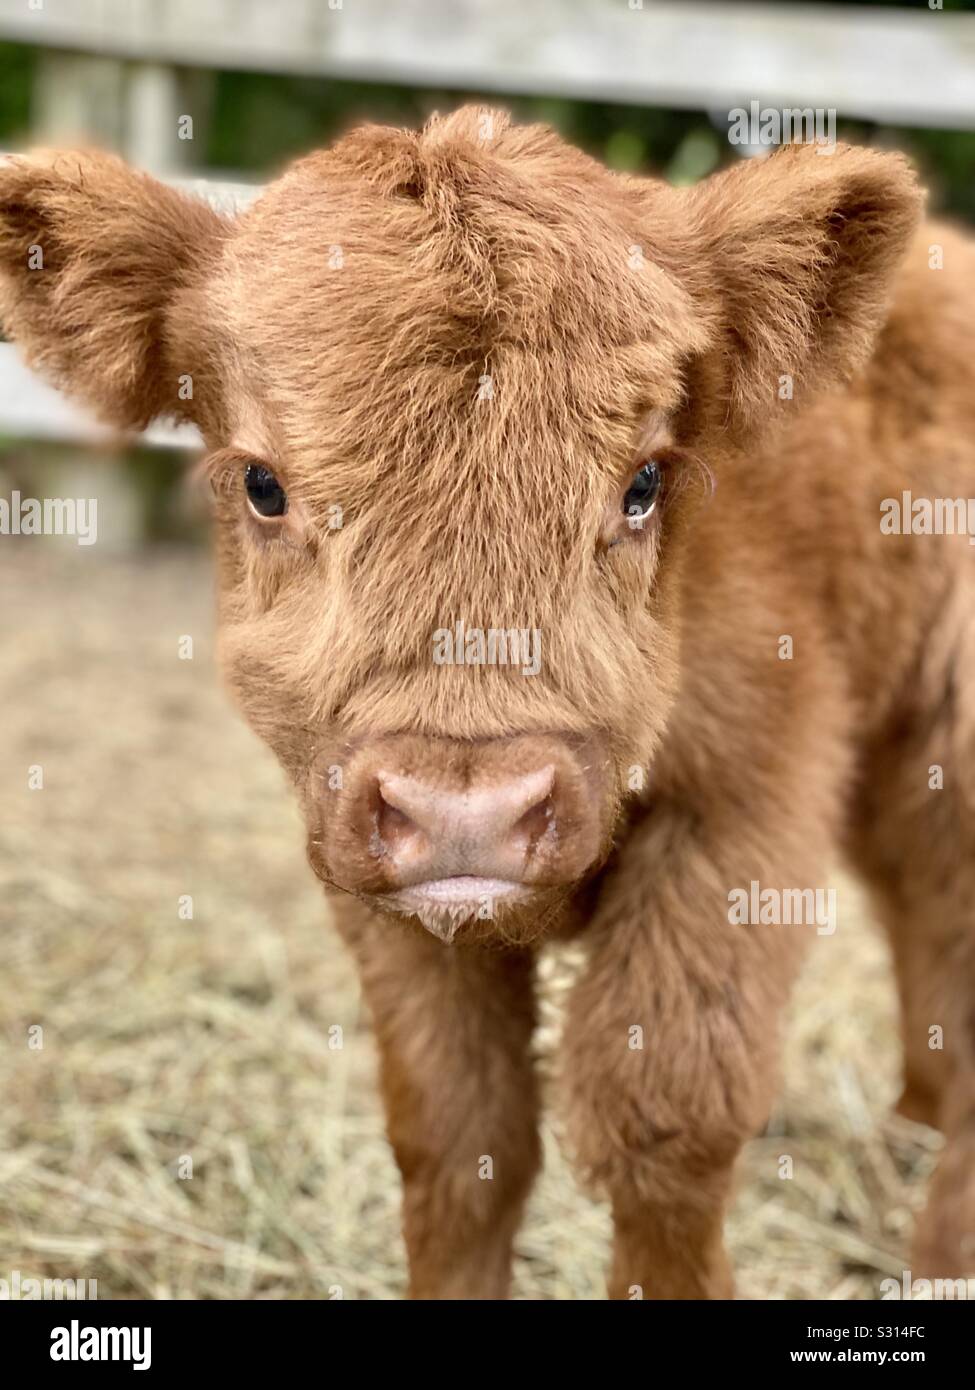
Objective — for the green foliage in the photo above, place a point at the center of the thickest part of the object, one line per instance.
(16, 74)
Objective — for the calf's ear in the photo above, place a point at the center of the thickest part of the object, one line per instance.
(98, 266)
(793, 259)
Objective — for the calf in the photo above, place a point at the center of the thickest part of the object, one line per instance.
(559, 564)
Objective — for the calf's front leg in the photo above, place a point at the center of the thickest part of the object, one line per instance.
(454, 1027)
(671, 1045)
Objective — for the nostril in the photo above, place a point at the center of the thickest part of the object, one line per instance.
(391, 819)
(537, 822)
(395, 827)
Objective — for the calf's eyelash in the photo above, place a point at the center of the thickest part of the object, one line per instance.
(223, 470)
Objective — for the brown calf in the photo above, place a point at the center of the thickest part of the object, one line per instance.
(556, 566)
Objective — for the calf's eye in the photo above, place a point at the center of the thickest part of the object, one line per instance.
(641, 495)
(264, 493)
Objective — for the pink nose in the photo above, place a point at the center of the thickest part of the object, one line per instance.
(433, 832)
(464, 819)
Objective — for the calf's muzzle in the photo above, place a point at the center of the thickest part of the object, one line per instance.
(450, 830)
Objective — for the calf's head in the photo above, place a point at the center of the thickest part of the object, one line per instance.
(463, 392)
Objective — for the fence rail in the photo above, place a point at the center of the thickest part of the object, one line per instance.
(683, 53)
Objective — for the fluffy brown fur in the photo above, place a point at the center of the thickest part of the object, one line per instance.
(342, 331)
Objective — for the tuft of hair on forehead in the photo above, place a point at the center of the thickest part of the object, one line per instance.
(472, 247)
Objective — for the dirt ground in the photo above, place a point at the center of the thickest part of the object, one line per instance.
(169, 1041)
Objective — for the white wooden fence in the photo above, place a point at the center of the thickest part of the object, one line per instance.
(910, 65)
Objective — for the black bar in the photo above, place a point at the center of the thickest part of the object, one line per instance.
(452, 1340)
